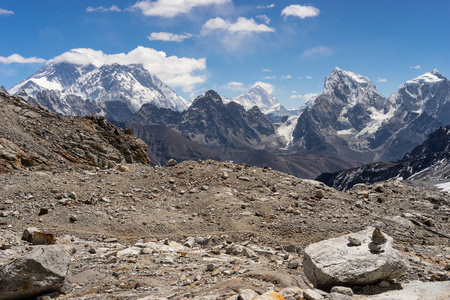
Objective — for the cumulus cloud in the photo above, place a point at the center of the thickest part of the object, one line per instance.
(270, 77)
(5, 12)
(242, 25)
(103, 9)
(317, 52)
(168, 37)
(171, 8)
(308, 77)
(417, 67)
(264, 18)
(382, 80)
(300, 11)
(235, 86)
(288, 76)
(266, 6)
(173, 70)
(267, 86)
(19, 59)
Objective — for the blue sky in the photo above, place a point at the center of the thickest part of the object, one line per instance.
(228, 45)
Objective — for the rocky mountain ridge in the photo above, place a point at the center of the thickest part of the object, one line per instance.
(32, 138)
(429, 161)
(351, 119)
(71, 89)
(213, 129)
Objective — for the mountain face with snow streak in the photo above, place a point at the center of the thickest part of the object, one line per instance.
(258, 96)
(430, 161)
(106, 90)
(351, 119)
(343, 118)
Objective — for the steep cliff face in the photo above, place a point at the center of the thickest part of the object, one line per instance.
(351, 119)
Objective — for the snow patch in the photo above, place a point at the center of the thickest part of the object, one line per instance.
(286, 129)
(445, 187)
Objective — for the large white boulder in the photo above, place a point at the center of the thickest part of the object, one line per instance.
(43, 270)
(337, 262)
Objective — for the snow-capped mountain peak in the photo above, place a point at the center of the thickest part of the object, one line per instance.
(351, 79)
(432, 77)
(132, 85)
(260, 97)
(355, 87)
(53, 76)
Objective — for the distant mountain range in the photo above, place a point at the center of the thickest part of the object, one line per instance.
(351, 119)
(429, 161)
(114, 90)
(349, 124)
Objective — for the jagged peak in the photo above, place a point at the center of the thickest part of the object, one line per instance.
(348, 78)
(207, 96)
(436, 73)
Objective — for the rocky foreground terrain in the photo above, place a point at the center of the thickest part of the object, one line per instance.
(211, 230)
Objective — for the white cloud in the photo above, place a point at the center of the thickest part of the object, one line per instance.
(417, 67)
(306, 97)
(317, 52)
(382, 80)
(288, 76)
(103, 9)
(19, 59)
(168, 37)
(173, 70)
(270, 77)
(266, 6)
(264, 18)
(235, 86)
(242, 25)
(300, 11)
(172, 8)
(266, 70)
(267, 86)
(308, 77)
(5, 12)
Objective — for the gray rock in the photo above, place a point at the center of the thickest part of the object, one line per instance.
(342, 290)
(319, 194)
(172, 162)
(293, 264)
(189, 242)
(312, 295)
(290, 248)
(384, 284)
(247, 294)
(43, 270)
(354, 241)
(332, 262)
(28, 233)
(337, 296)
